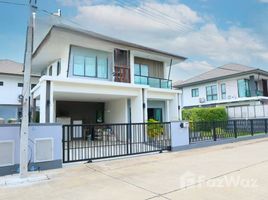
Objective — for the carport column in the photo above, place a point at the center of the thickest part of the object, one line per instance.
(167, 115)
(173, 108)
(145, 107)
(180, 106)
(52, 105)
(137, 109)
(42, 102)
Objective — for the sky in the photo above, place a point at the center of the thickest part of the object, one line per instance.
(210, 33)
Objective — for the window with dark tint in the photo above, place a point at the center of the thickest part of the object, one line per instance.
(58, 68)
(195, 92)
(1, 83)
(211, 93)
(20, 84)
(223, 91)
(155, 113)
(50, 71)
(32, 86)
(243, 88)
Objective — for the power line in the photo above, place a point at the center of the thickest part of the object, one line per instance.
(150, 15)
(13, 3)
(162, 15)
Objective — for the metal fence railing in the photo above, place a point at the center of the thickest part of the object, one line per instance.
(95, 141)
(209, 131)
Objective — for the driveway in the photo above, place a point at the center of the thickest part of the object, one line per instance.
(230, 171)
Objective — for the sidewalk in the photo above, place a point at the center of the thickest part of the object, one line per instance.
(230, 171)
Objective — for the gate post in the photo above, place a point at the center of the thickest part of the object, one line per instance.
(251, 127)
(235, 129)
(265, 126)
(179, 134)
(214, 131)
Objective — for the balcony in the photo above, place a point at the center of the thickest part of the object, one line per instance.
(153, 81)
(121, 74)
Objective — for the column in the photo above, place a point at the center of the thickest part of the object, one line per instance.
(42, 103)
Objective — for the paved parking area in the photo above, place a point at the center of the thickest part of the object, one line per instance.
(231, 171)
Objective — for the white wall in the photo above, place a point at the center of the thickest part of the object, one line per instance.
(115, 111)
(231, 91)
(10, 91)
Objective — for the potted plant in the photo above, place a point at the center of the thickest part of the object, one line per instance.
(155, 129)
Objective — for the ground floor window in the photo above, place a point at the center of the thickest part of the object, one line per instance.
(155, 113)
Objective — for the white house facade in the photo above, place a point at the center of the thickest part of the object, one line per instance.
(11, 84)
(229, 86)
(90, 78)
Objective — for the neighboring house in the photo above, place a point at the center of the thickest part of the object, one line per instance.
(90, 78)
(11, 84)
(231, 85)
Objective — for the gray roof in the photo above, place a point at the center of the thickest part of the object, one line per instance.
(225, 71)
(10, 67)
(106, 38)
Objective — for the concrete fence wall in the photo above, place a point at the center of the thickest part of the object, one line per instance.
(179, 135)
(44, 147)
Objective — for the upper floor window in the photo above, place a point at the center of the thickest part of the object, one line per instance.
(243, 88)
(50, 71)
(211, 92)
(1, 83)
(20, 84)
(141, 74)
(223, 91)
(195, 92)
(90, 66)
(58, 67)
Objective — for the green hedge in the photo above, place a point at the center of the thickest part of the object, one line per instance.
(205, 114)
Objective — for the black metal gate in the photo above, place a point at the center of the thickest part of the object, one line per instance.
(96, 141)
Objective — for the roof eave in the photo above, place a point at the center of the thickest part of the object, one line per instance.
(222, 77)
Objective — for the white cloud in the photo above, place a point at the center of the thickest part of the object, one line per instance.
(202, 38)
(188, 69)
(263, 1)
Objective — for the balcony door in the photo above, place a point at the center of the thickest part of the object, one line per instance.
(121, 66)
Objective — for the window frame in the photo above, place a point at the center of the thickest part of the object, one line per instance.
(195, 92)
(1, 83)
(96, 67)
(246, 86)
(223, 92)
(212, 95)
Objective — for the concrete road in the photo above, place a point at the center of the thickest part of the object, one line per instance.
(231, 171)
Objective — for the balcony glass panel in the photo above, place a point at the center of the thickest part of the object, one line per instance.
(154, 82)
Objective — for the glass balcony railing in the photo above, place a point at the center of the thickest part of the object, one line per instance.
(153, 81)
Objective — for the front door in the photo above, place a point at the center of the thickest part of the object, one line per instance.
(155, 113)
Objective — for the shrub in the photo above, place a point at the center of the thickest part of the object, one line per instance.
(205, 114)
(154, 128)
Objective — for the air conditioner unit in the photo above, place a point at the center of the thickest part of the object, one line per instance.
(202, 100)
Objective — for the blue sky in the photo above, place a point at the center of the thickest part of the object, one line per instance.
(216, 32)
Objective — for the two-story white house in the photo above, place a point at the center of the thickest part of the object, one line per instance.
(230, 85)
(11, 83)
(91, 78)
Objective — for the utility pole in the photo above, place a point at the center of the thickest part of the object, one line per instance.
(24, 131)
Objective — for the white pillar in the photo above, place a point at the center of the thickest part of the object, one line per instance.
(180, 104)
(145, 109)
(167, 113)
(136, 109)
(42, 103)
(173, 107)
(51, 105)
